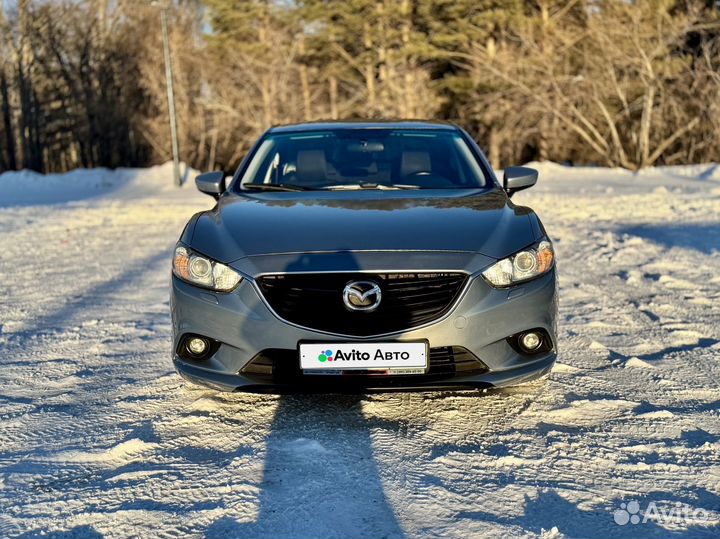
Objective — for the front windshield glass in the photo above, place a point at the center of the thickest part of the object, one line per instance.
(363, 159)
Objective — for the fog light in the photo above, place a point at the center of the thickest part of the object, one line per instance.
(531, 341)
(197, 347)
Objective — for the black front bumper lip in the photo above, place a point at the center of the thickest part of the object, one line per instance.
(365, 384)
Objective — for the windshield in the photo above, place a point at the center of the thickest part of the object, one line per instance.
(363, 159)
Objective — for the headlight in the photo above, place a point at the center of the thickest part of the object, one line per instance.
(522, 266)
(202, 271)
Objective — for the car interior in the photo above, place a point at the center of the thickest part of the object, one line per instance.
(330, 161)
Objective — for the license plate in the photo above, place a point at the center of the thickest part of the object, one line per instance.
(377, 358)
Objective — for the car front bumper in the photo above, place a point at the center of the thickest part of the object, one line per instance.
(480, 322)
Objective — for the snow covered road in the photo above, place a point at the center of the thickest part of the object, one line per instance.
(99, 437)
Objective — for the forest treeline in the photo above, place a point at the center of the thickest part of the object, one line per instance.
(627, 83)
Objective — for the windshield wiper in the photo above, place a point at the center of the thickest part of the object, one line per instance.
(273, 187)
(368, 185)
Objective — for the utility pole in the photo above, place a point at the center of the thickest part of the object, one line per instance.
(170, 96)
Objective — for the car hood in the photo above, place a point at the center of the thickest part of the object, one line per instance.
(471, 221)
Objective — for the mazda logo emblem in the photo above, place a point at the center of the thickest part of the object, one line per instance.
(362, 296)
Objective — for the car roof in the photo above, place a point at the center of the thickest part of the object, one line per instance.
(325, 125)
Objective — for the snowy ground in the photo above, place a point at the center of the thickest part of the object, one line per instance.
(99, 437)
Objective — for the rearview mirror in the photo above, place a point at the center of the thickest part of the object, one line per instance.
(211, 183)
(366, 147)
(518, 178)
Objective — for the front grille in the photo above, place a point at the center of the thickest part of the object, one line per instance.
(282, 365)
(316, 300)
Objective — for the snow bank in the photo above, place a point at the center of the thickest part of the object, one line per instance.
(27, 188)
(703, 172)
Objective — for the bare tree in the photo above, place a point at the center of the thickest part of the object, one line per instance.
(586, 81)
(615, 78)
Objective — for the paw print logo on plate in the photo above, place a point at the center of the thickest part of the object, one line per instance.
(325, 355)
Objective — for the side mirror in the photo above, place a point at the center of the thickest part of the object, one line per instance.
(211, 183)
(518, 178)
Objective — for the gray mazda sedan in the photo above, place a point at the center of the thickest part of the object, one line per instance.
(356, 256)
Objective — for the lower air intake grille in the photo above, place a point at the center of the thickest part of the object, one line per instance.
(279, 364)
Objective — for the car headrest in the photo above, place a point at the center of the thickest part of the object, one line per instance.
(412, 162)
(311, 166)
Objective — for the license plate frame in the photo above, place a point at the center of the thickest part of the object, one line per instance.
(310, 363)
